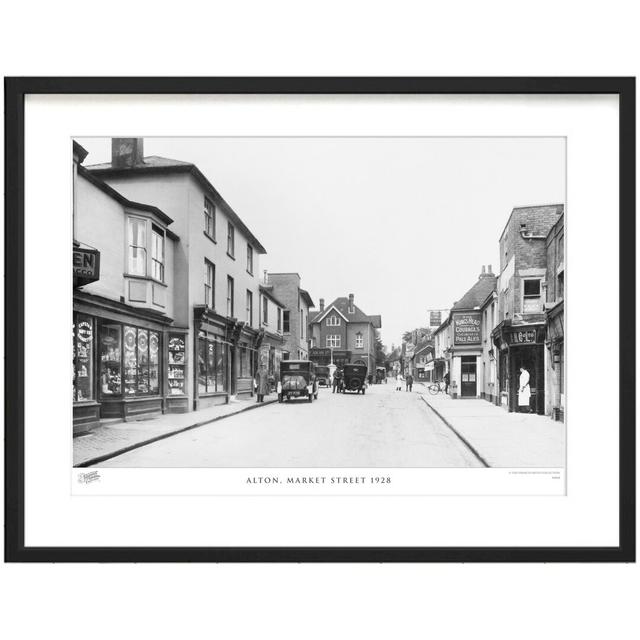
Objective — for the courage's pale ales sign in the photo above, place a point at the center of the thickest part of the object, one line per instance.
(466, 328)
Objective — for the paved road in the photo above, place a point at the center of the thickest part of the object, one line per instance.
(383, 428)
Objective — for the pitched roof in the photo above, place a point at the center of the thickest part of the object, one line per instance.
(477, 294)
(342, 305)
(158, 164)
(307, 298)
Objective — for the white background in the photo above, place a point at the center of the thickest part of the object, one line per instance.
(587, 516)
(315, 601)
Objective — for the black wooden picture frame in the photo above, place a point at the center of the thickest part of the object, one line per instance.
(15, 91)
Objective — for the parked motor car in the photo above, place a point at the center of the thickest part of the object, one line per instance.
(381, 375)
(297, 380)
(354, 378)
(323, 376)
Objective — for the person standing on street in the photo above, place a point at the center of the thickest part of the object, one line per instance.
(261, 383)
(446, 382)
(524, 391)
(337, 377)
(399, 381)
(409, 382)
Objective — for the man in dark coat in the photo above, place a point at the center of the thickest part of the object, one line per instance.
(337, 380)
(262, 383)
(409, 382)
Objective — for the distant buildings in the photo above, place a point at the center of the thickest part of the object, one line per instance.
(343, 333)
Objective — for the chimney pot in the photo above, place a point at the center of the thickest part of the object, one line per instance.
(351, 302)
(127, 153)
(321, 304)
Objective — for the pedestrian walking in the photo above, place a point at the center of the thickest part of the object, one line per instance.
(261, 383)
(524, 391)
(446, 382)
(409, 382)
(399, 381)
(337, 379)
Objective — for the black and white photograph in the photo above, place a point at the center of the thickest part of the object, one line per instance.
(319, 302)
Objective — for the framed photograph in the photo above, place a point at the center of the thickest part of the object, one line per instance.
(320, 319)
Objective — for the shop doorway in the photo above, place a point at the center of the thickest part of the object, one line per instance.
(468, 386)
(532, 359)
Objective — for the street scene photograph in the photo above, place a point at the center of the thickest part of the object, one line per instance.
(319, 302)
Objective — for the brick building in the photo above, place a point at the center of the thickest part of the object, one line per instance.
(297, 302)
(520, 333)
(343, 333)
(554, 312)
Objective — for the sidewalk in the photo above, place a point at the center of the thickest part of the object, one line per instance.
(501, 438)
(109, 440)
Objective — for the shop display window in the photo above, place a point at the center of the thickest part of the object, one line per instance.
(83, 334)
(212, 365)
(110, 360)
(176, 372)
(141, 361)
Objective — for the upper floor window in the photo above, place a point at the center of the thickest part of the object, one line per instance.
(333, 321)
(265, 310)
(560, 286)
(209, 283)
(532, 301)
(279, 319)
(334, 341)
(157, 253)
(286, 322)
(231, 240)
(359, 341)
(249, 308)
(137, 247)
(229, 297)
(209, 218)
(249, 258)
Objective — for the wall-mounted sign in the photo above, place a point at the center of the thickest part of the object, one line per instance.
(435, 318)
(466, 328)
(523, 336)
(86, 266)
(317, 352)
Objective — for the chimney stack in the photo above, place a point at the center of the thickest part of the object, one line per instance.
(265, 276)
(321, 305)
(490, 271)
(351, 303)
(127, 153)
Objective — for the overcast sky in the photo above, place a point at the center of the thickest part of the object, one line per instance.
(405, 224)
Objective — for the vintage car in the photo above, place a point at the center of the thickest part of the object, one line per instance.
(323, 376)
(297, 380)
(381, 375)
(354, 378)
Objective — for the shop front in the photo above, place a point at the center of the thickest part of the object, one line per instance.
(119, 363)
(212, 360)
(521, 346)
(466, 354)
(555, 362)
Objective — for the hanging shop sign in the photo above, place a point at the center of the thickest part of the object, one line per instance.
(86, 266)
(466, 328)
(435, 318)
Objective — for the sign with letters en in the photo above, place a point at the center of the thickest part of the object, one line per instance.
(466, 328)
(86, 265)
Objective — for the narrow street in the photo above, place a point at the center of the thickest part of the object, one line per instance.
(383, 428)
